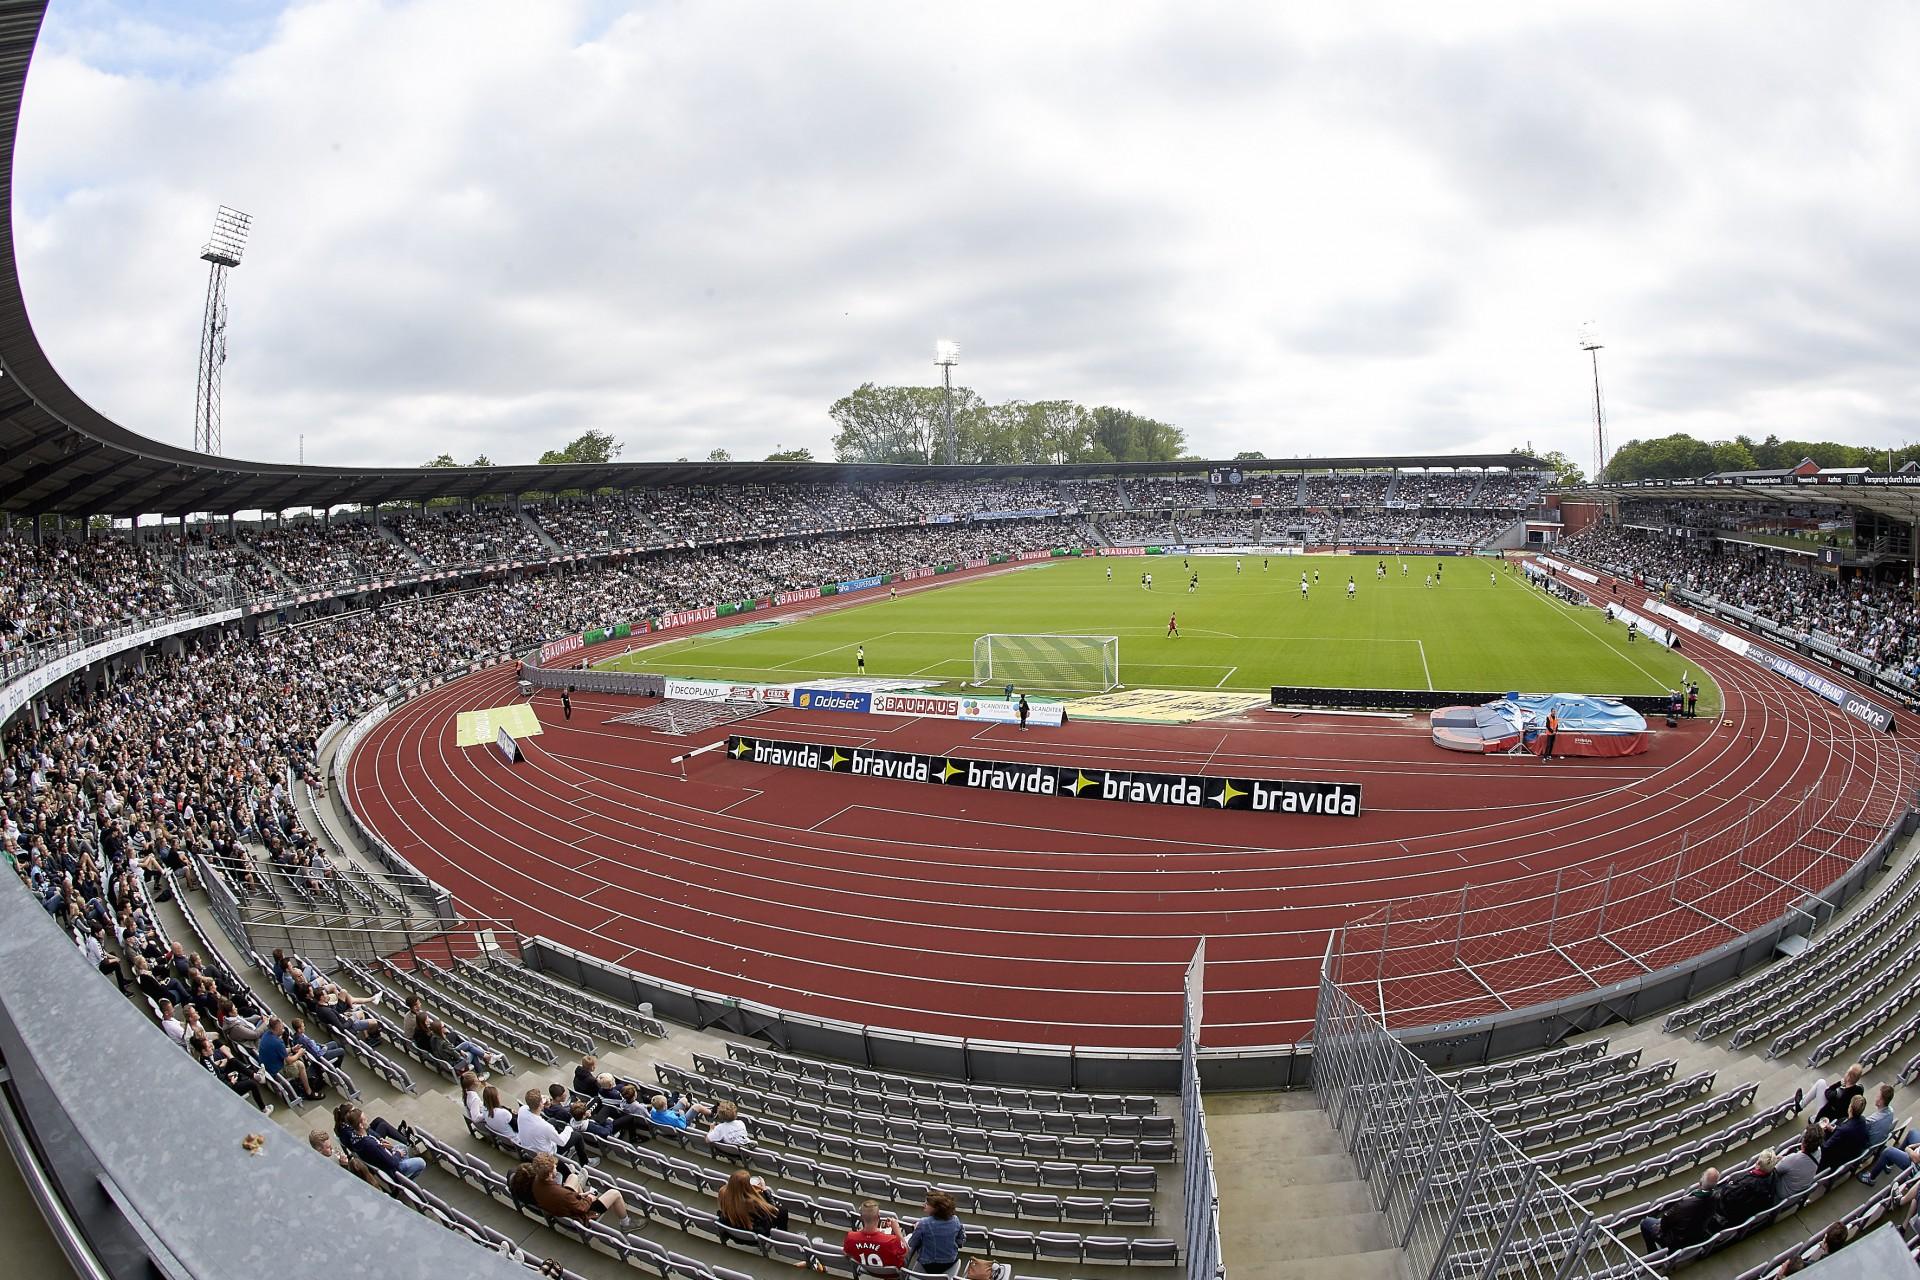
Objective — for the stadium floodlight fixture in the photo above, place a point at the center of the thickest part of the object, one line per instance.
(946, 354)
(229, 239)
(1590, 344)
(221, 253)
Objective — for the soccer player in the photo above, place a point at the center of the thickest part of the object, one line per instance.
(1303, 586)
(1263, 564)
(1403, 568)
(1193, 584)
(1493, 579)
(1236, 566)
(860, 659)
(1173, 625)
(1316, 577)
(1109, 573)
(1439, 567)
(1149, 582)
(1349, 586)
(1429, 582)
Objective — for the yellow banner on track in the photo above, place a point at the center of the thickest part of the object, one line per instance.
(482, 728)
(1162, 706)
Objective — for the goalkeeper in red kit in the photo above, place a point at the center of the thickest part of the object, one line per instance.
(1173, 624)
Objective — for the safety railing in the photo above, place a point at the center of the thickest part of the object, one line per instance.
(1785, 862)
(1460, 1199)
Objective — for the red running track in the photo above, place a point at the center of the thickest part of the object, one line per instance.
(1023, 918)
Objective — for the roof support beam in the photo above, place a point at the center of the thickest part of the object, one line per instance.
(46, 470)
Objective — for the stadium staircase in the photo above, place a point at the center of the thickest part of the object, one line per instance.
(1627, 1118)
(1479, 490)
(280, 575)
(1292, 1204)
(386, 531)
(1511, 538)
(546, 539)
(1393, 490)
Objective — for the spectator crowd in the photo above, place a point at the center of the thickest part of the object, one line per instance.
(1877, 621)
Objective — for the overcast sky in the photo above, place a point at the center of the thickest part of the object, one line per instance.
(488, 225)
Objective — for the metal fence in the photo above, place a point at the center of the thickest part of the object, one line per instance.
(1461, 1200)
(1550, 936)
(1202, 1201)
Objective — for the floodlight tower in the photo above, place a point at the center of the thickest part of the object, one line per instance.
(222, 254)
(946, 354)
(1592, 348)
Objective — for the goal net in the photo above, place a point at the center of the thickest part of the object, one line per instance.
(1048, 662)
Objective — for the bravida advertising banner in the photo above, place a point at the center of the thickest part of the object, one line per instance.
(1066, 782)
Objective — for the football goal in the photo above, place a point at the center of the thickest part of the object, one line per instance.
(1048, 662)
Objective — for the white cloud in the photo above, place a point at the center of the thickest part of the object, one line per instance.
(489, 225)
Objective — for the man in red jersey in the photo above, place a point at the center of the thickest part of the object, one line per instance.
(1173, 624)
(877, 1243)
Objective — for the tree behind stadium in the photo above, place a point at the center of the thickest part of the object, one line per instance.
(906, 424)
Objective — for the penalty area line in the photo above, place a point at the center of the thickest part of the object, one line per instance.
(1227, 677)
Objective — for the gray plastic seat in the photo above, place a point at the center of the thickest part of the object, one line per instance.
(1057, 1246)
(1154, 1252)
(996, 1204)
(1083, 1209)
(1060, 1174)
(1003, 1242)
(1043, 1208)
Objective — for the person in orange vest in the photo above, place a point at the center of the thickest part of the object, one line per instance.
(1553, 731)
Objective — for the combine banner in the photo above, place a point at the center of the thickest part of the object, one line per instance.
(1068, 782)
(1860, 708)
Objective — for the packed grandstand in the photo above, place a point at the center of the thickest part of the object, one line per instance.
(393, 891)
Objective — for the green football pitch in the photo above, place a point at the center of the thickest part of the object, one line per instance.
(1246, 630)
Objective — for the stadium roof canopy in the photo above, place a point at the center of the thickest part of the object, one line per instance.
(1895, 496)
(60, 456)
